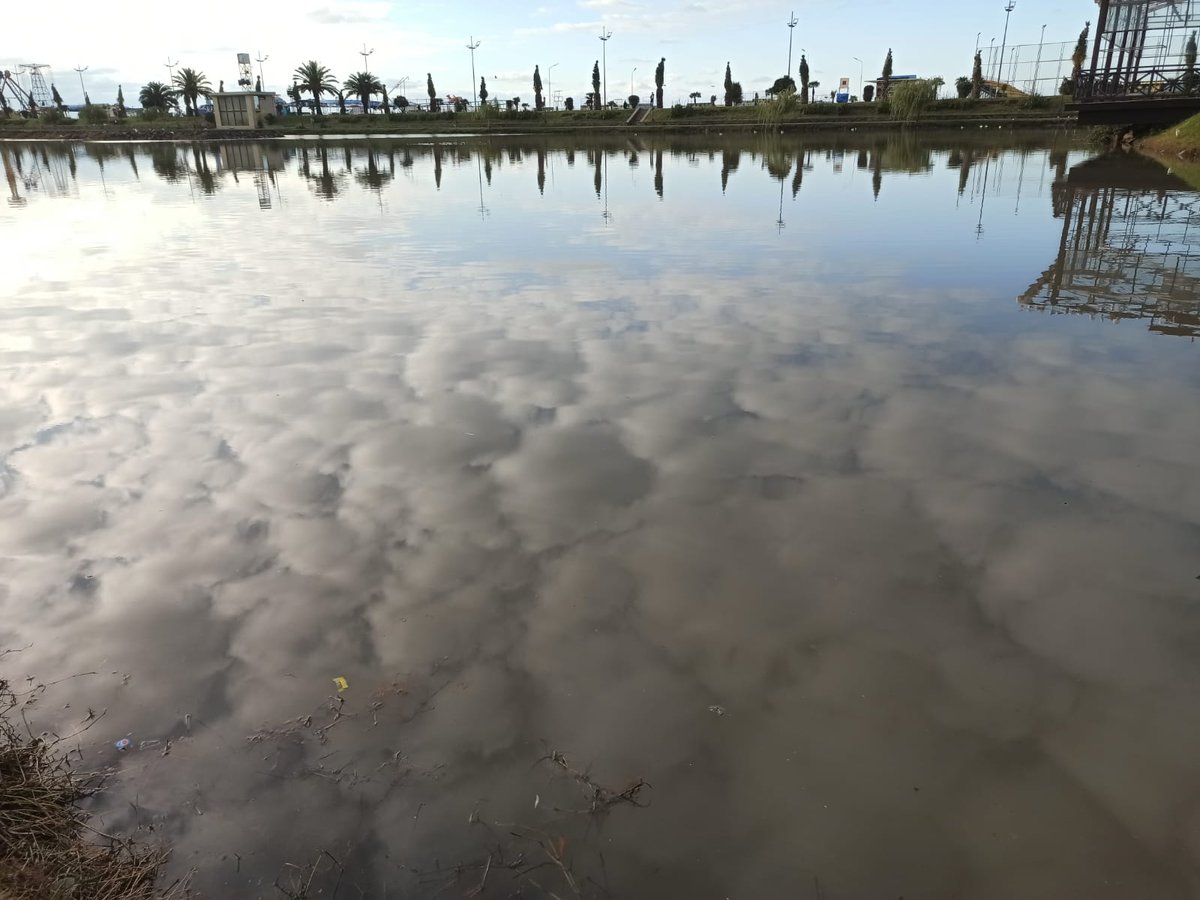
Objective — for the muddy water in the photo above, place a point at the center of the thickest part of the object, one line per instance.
(845, 493)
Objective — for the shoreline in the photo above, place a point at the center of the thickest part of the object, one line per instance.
(1039, 121)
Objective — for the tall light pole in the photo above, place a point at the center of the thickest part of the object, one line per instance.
(550, 90)
(364, 53)
(171, 68)
(991, 53)
(81, 70)
(260, 60)
(978, 34)
(860, 74)
(604, 36)
(1004, 43)
(473, 45)
(631, 81)
(791, 24)
(1038, 65)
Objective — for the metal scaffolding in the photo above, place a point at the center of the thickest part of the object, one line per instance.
(1140, 49)
(1030, 69)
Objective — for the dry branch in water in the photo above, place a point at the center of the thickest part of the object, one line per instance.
(599, 797)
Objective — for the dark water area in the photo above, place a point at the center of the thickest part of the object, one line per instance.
(844, 492)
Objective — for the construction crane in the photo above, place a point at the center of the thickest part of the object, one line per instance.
(11, 93)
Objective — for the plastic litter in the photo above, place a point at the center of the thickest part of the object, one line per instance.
(718, 710)
(341, 683)
(122, 744)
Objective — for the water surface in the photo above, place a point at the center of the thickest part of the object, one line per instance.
(846, 492)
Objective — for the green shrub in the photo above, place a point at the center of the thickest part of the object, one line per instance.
(782, 106)
(910, 99)
(93, 115)
(52, 116)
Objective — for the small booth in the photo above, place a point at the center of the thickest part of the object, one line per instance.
(242, 109)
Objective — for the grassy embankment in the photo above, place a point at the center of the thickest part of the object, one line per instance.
(1024, 112)
(1179, 148)
(48, 848)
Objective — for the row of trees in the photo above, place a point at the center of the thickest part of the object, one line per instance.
(318, 81)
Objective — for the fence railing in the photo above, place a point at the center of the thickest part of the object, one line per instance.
(1158, 81)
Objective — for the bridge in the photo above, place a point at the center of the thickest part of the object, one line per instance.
(1127, 250)
(1141, 71)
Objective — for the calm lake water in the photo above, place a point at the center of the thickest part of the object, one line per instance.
(846, 492)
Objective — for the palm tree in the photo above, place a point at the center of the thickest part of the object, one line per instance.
(156, 95)
(190, 84)
(317, 80)
(363, 85)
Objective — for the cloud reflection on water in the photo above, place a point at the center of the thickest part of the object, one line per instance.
(932, 555)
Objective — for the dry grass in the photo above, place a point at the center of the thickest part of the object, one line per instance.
(48, 850)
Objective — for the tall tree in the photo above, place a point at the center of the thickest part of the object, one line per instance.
(887, 76)
(317, 80)
(190, 85)
(56, 97)
(1189, 65)
(803, 78)
(156, 95)
(363, 85)
(728, 85)
(596, 85)
(1077, 57)
(483, 91)
(432, 91)
(537, 88)
(977, 76)
(120, 101)
(659, 76)
(386, 106)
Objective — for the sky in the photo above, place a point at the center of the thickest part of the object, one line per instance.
(131, 42)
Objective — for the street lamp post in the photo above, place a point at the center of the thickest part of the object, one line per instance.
(364, 53)
(791, 24)
(631, 81)
(860, 74)
(260, 60)
(171, 69)
(550, 90)
(81, 70)
(604, 36)
(978, 34)
(1004, 43)
(473, 45)
(991, 52)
